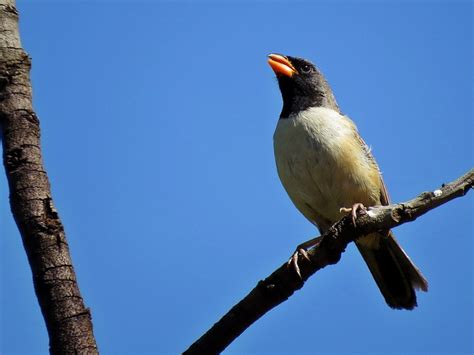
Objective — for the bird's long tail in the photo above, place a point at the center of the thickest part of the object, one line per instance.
(396, 275)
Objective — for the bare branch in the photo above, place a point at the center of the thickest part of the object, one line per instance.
(283, 282)
(67, 319)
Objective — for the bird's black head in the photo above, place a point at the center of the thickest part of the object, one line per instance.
(301, 84)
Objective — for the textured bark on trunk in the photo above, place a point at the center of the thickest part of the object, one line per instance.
(67, 319)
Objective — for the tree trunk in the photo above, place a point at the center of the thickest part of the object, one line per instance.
(67, 319)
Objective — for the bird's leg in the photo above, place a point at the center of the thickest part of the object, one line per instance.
(301, 249)
(353, 211)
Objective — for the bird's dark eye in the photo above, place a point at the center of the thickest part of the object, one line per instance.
(305, 69)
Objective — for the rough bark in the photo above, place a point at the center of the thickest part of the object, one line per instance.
(67, 319)
(283, 282)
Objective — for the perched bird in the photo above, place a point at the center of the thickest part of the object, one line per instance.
(325, 166)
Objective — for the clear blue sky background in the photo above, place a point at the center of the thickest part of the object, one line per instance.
(157, 122)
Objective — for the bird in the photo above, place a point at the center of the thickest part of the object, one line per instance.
(325, 166)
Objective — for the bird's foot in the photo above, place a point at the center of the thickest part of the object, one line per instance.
(293, 262)
(353, 211)
(302, 250)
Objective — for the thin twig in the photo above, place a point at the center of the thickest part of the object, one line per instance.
(283, 282)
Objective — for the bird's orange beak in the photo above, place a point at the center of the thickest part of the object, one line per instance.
(281, 65)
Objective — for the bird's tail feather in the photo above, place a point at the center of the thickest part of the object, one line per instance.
(395, 274)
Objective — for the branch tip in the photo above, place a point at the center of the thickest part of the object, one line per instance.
(283, 282)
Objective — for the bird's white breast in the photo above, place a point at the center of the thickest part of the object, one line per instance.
(322, 165)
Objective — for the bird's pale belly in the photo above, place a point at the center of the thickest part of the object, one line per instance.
(321, 172)
(319, 188)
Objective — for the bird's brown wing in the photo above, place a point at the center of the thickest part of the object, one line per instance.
(395, 274)
(384, 197)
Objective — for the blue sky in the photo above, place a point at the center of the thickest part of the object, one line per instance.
(157, 121)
